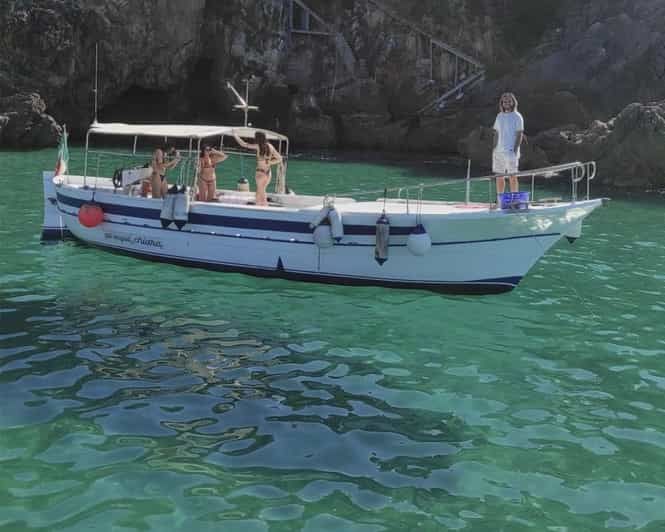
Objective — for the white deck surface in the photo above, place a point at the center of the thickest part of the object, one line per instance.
(315, 203)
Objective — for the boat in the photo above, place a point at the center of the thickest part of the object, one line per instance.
(392, 238)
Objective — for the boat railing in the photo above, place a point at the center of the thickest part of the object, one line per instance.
(103, 163)
(112, 161)
(576, 171)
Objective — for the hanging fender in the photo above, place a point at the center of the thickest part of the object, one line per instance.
(181, 208)
(382, 239)
(320, 217)
(117, 178)
(91, 215)
(419, 242)
(323, 237)
(574, 231)
(168, 205)
(335, 219)
(330, 219)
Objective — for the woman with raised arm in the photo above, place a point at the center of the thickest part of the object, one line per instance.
(159, 167)
(266, 156)
(208, 158)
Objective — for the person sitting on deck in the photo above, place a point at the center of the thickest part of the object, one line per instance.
(266, 156)
(159, 167)
(207, 181)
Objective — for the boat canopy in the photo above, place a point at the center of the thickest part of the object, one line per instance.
(178, 131)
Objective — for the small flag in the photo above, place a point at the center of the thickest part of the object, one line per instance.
(63, 154)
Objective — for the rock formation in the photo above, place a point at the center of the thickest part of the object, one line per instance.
(357, 81)
(629, 148)
(25, 124)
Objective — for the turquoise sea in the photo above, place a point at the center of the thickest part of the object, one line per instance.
(137, 396)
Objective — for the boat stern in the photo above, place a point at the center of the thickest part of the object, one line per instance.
(53, 226)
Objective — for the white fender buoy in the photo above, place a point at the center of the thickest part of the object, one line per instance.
(181, 208)
(382, 239)
(574, 231)
(336, 224)
(419, 242)
(319, 218)
(243, 185)
(323, 237)
(168, 204)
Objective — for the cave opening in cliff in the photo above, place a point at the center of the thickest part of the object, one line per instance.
(207, 100)
(138, 104)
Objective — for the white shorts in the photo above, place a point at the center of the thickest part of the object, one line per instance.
(505, 163)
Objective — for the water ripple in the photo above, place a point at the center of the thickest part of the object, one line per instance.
(143, 397)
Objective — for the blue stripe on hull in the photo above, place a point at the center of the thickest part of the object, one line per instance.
(235, 222)
(482, 287)
(277, 226)
(301, 242)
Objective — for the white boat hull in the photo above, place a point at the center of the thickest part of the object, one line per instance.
(474, 250)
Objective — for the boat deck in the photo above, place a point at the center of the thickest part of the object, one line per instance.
(295, 202)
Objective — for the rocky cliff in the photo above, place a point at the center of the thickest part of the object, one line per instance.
(356, 78)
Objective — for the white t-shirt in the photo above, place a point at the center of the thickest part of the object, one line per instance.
(507, 125)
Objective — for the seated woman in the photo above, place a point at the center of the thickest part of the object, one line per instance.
(159, 167)
(207, 182)
(266, 156)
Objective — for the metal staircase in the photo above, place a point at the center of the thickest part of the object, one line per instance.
(444, 73)
(452, 73)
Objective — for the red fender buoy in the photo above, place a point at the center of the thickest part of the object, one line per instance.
(91, 215)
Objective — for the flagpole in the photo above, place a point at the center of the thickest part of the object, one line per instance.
(96, 78)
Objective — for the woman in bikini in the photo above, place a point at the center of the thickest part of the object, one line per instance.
(207, 183)
(159, 167)
(266, 156)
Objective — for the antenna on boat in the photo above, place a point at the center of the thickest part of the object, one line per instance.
(96, 78)
(243, 104)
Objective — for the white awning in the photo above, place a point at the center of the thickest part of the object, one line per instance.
(178, 131)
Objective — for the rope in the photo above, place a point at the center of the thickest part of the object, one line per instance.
(280, 183)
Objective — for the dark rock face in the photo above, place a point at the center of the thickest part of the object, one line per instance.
(169, 61)
(635, 148)
(629, 149)
(48, 46)
(24, 123)
(309, 127)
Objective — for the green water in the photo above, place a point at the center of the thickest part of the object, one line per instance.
(138, 396)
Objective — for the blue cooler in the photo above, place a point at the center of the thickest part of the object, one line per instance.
(514, 201)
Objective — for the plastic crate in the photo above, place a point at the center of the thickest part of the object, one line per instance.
(514, 201)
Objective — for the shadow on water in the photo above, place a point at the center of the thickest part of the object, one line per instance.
(273, 400)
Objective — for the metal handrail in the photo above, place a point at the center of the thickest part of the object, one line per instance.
(545, 172)
(473, 78)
